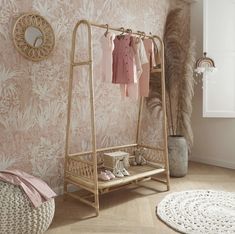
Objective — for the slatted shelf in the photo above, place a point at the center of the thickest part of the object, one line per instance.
(136, 173)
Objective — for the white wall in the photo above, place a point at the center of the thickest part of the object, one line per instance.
(214, 138)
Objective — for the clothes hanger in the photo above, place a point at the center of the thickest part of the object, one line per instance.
(107, 30)
(139, 38)
(121, 35)
(143, 35)
(139, 33)
(123, 31)
(129, 31)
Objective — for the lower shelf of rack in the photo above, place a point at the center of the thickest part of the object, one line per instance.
(136, 173)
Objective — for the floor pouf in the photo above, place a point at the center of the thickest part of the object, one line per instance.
(18, 216)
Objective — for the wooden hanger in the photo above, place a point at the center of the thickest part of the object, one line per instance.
(122, 33)
(139, 38)
(107, 30)
(143, 35)
(129, 31)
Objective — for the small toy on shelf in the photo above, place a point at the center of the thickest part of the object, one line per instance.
(139, 157)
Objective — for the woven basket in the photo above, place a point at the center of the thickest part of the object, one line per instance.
(116, 160)
(18, 216)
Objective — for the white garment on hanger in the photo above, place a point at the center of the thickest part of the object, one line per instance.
(107, 46)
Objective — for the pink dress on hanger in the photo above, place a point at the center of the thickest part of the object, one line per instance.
(145, 76)
(123, 57)
(107, 46)
(140, 58)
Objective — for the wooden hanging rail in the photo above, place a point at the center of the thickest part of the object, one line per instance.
(128, 30)
(81, 167)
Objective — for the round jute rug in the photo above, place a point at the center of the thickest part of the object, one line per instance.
(199, 211)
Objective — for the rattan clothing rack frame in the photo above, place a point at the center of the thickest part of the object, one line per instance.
(81, 168)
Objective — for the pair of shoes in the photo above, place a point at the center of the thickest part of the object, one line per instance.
(125, 172)
(106, 175)
(110, 174)
(121, 173)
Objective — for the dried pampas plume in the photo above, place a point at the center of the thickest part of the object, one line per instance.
(185, 97)
(179, 62)
(176, 45)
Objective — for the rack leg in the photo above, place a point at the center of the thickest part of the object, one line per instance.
(97, 209)
(65, 190)
(97, 212)
(168, 180)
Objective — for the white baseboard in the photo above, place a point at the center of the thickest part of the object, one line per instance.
(219, 163)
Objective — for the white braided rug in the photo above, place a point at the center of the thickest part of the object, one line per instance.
(199, 211)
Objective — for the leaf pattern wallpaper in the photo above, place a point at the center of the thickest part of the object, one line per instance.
(33, 95)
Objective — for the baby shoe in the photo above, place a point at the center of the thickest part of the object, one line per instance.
(110, 174)
(125, 172)
(118, 174)
(103, 176)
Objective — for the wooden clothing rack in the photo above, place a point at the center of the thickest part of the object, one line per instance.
(81, 167)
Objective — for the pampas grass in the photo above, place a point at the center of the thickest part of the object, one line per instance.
(185, 98)
(179, 59)
(176, 45)
(179, 62)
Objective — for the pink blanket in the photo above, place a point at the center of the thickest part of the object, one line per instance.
(36, 189)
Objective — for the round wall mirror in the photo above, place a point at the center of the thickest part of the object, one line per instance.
(33, 37)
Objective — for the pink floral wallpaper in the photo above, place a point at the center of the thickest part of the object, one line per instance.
(33, 95)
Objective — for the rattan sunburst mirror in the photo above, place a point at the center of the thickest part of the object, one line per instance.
(33, 36)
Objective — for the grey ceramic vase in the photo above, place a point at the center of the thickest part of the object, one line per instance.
(178, 155)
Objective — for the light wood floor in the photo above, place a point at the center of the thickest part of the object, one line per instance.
(132, 210)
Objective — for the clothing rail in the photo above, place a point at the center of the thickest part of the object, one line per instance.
(93, 187)
(128, 30)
